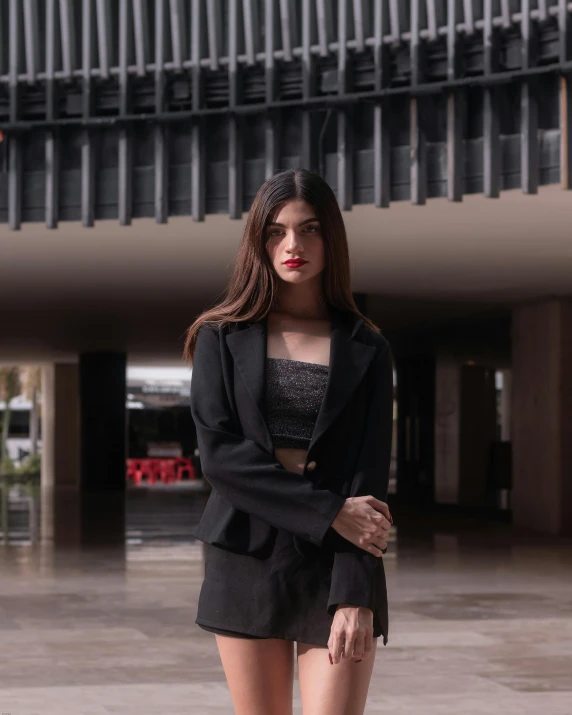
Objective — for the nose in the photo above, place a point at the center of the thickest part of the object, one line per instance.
(293, 241)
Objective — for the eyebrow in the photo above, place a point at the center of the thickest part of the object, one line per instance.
(303, 223)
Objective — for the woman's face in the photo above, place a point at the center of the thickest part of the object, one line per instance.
(295, 233)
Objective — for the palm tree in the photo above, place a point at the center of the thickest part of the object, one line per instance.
(9, 388)
(32, 384)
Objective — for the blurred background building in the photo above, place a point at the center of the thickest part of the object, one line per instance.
(135, 134)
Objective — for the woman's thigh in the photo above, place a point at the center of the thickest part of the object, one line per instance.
(259, 673)
(339, 689)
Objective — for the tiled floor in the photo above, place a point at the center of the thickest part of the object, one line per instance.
(481, 623)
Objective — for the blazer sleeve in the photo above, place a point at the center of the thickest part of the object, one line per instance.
(353, 567)
(246, 474)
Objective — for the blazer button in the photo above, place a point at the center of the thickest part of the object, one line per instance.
(311, 466)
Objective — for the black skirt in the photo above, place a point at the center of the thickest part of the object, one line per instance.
(282, 596)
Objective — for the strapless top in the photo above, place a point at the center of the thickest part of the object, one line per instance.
(294, 393)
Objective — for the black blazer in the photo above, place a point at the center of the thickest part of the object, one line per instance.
(349, 453)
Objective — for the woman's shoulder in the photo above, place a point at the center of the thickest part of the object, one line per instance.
(218, 330)
(218, 327)
(374, 338)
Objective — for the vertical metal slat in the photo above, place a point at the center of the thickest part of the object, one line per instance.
(381, 115)
(394, 20)
(271, 138)
(454, 111)
(325, 22)
(52, 179)
(565, 34)
(160, 132)
(287, 22)
(14, 183)
(234, 139)
(505, 13)
(452, 39)
(141, 34)
(344, 135)
(125, 171)
(197, 127)
(418, 149)
(51, 199)
(359, 11)
(308, 85)
(14, 143)
(214, 25)
(104, 37)
(431, 19)
(528, 110)
(251, 29)
(469, 19)
(50, 56)
(67, 25)
(32, 40)
(178, 32)
(491, 130)
(87, 148)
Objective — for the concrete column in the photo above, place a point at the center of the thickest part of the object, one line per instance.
(103, 389)
(506, 405)
(447, 428)
(477, 430)
(60, 454)
(542, 416)
(465, 419)
(415, 428)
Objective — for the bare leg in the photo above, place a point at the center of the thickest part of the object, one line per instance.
(339, 689)
(259, 673)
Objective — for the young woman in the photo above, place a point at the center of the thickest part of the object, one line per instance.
(292, 395)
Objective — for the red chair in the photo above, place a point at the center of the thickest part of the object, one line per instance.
(184, 465)
(150, 469)
(167, 473)
(133, 471)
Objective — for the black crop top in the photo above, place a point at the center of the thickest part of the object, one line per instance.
(294, 393)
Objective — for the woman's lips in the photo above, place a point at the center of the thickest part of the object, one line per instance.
(294, 264)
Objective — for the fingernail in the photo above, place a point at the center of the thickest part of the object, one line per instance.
(330, 656)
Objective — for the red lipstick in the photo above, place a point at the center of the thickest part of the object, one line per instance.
(295, 262)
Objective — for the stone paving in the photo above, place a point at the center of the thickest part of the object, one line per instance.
(480, 624)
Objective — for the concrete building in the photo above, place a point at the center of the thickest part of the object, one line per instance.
(135, 134)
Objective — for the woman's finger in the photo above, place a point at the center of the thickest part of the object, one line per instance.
(380, 543)
(373, 549)
(359, 645)
(379, 505)
(349, 645)
(336, 647)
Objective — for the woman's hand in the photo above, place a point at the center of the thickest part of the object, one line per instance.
(365, 521)
(351, 634)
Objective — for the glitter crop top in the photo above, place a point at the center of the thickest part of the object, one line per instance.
(294, 392)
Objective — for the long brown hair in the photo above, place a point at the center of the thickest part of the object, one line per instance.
(253, 286)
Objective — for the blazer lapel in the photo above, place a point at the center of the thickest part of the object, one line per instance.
(248, 348)
(349, 360)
